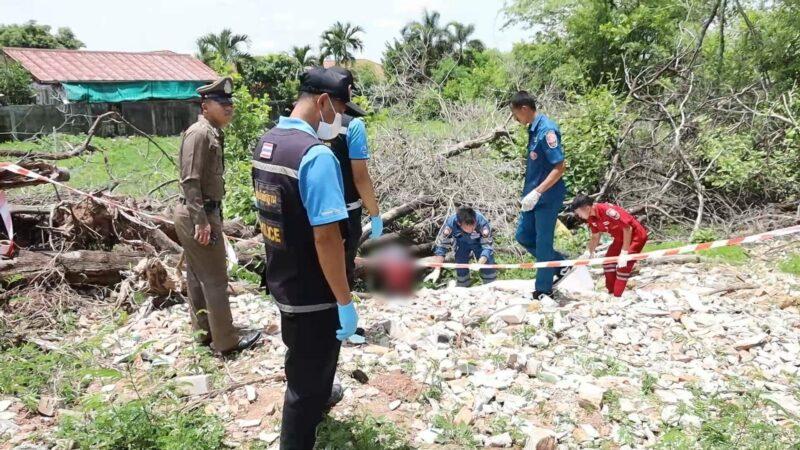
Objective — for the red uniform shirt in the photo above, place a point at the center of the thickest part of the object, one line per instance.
(613, 219)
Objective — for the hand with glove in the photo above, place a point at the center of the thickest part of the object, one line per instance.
(622, 260)
(530, 200)
(377, 227)
(348, 319)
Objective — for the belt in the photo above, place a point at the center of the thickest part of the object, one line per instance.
(300, 309)
(208, 204)
(355, 205)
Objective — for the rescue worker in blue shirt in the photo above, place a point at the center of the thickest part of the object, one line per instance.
(544, 190)
(469, 233)
(303, 219)
(350, 148)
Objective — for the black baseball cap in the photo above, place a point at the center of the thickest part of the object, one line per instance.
(336, 82)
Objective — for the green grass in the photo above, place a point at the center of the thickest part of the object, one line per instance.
(738, 424)
(28, 372)
(137, 164)
(735, 255)
(791, 265)
(458, 434)
(144, 424)
(360, 433)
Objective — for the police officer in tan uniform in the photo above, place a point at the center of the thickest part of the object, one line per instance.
(198, 221)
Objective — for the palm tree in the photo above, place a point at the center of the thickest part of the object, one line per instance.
(303, 56)
(339, 40)
(428, 34)
(460, 35)
(223, 47)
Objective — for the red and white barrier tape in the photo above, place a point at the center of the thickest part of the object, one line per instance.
(656, 254)
(11, 167)
(230, 253)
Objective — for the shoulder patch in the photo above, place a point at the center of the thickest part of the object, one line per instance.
(448, 231)
(552, 139)
(613, 213)
(266, 150)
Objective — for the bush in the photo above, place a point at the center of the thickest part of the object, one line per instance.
(250, 121)
(487, 78)
(360, 433)
(239, 195)
(15, 85)
(427, 105)
(144, 425)
(272, 75)
(29, 373)
(589, 132)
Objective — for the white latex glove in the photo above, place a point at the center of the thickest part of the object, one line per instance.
(433, 277)
(623, 259)
(530, 200)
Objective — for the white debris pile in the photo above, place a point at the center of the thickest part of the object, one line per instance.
(487, 366)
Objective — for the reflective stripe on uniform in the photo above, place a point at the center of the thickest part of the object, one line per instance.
(274, 169)
(304, 308)
(354, 205)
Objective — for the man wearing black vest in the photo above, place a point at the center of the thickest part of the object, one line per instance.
(350, 148)
(303, 218)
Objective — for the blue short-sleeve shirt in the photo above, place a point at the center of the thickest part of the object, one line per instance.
(357, 140)
(544, 153)
(319, 179)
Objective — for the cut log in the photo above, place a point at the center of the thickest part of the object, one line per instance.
(82, 267)
(461, 147)
(398, 212)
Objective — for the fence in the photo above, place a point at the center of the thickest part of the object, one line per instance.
(157, 117)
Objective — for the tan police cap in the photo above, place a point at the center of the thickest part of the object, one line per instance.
(220, 91)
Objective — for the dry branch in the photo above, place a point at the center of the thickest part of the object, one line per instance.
(10, 180)
(91, 267)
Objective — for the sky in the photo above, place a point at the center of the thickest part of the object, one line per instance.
(273, 26)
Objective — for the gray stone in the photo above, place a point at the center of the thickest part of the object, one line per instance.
(540, 439)
(193, 384)
(500, 440)
(590, 396)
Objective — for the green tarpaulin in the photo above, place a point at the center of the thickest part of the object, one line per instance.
(131, 91)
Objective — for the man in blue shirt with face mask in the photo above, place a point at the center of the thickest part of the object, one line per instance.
(544, 190)
(303, 219)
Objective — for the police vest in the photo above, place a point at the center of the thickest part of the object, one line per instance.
(339, 147)
(293, 274)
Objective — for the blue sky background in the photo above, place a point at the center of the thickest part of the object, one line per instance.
(272, 26)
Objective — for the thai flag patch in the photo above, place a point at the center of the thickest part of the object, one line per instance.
(266, 150)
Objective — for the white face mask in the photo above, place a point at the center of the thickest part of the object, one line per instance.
(327, 131)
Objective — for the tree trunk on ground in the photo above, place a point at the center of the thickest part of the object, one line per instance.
(78, 267)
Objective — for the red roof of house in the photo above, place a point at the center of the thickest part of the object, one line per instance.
(53, 66)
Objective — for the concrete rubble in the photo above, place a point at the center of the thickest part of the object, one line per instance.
(582, 370)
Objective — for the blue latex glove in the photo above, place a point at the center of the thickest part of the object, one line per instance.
(377, 226)
(348, 319)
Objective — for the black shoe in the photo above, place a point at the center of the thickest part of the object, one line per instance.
(537, 295)
(246, 340)
(337, 394)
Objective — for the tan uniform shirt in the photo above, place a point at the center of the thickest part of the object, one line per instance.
(202, 167)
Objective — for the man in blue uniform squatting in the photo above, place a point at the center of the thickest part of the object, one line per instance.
(303, 218)
(350, 148)
(544, 190)
(470, 233)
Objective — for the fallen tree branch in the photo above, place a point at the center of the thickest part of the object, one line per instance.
(398, 212)
(92, 267)
(11, 180)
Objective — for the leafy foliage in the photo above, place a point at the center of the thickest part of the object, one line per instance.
(272, 75)
(15, 85)
(360, 433)
(223, 49)
(34, 35)
(144, 424)
(249, 122)
(339, 41)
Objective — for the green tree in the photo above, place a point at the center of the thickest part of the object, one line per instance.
(33, 35)
(430, 37)
(15, 85)
(340, 41)
(461, 38)
(274, 75)
(303, 56)
(223, 49)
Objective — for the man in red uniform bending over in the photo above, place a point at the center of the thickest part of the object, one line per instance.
(629, 237)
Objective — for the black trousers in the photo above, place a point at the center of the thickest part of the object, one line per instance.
(351, 244)
(311, 357)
